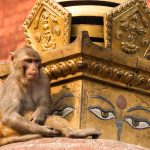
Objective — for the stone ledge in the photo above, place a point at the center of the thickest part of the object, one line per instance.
(71, 144)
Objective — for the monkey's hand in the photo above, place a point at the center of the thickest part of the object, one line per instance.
(38, 117)
(50, 132)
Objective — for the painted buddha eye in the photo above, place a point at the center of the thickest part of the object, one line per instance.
(102, 114)
(137, 123)
(63, 112)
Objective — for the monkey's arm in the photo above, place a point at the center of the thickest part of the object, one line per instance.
(17, 122)
(44, 102)
(11, 116)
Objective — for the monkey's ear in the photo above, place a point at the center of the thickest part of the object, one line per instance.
(11, 56)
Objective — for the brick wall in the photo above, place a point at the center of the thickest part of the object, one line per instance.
(148, 1)
(12, 15)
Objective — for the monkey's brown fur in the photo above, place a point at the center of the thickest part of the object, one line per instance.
(25, 103)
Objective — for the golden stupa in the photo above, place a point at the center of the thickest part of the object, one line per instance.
(97, 56)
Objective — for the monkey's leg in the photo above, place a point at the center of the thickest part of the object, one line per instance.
(63, 126)
(6, 131)
(22, 138)
(8, 135)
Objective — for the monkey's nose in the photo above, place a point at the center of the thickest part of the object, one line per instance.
(34, 68)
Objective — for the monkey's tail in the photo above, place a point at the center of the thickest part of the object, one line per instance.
(15, 139)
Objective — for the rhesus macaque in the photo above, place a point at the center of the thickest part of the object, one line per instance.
(26, 103)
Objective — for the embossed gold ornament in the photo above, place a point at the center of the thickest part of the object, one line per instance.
(127, 28)
(47, 26)
(94, 86)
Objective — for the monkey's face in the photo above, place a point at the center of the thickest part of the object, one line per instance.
(26, 63)
(31, 68)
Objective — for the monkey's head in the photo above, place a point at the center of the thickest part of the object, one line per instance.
(26, 63)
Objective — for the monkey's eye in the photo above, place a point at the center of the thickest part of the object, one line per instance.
(137, 123)
(64, 112)
(102, 114)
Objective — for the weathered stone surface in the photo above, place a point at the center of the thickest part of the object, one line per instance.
(71, 144)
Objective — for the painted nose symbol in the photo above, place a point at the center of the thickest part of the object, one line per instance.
(119, 125)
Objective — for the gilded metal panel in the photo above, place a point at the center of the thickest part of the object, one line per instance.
(47, 26)
(119, 114)
(127, 28)
(93, 86)
(98, 63)
(67, 99)
(113, 90)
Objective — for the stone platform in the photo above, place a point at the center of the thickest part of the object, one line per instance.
(71, 144)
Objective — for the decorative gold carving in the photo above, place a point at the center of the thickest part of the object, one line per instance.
(47, 26)
(63, 68)
(100, 69)
(127, 28)
(147, 55)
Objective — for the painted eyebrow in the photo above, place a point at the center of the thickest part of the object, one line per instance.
(104, 99)
(64, 96)
(138, 108)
